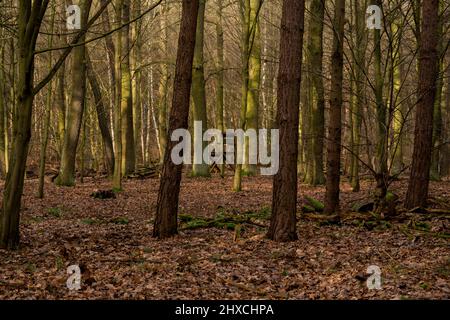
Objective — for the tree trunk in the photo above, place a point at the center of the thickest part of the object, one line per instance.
(128, 148)
(199, 167)
(381, 176)
(335, 125)
(61, 107)
(48, 106)
(3, 122)
(117, 177)
(220, 77)
(400, 112)
(315, 55)
(103, 121)
(163, 84)
(66, 175)
(60, 95)
(136, 59)
(423, 136)
(254, 82)
(284, 199)
(358, 105)
(435, 172)
(245, 16)
(167, 205)
(29, 22)
(445, 159)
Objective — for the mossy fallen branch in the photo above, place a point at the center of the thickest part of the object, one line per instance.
(316, 204)
(225, 220)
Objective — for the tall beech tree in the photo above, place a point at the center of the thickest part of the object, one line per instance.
(29, 22)
(75, 110)
(199, 168)
(117, 177)
(165, 224)
(254, 81)
(284, 198)
(128, 147)
(244, 7)
(423, 134)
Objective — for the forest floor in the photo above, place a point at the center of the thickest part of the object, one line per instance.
(111, 241)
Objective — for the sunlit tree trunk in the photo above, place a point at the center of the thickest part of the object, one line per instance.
(128, 148)
(254, 81)
(399, 112)
(199, 167)
(60, 101)
(245, 17)
(75, 110)
(60, 94)
(117, 177)
(136, 60)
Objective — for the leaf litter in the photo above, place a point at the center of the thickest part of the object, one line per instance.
(226, 257)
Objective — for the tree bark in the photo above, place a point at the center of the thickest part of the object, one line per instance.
(117, 177)
(254, 81)
(66, 175)
(220, 75)
(199, 168)
(47, 119)
(29, 22)
(3, 122)
(284, 198)
(335, 125)
(136, 59)
(445, 159)
(165, 224)
(103, 121)
(128, 147)
(356, 113)
(163, 83)
(315, 55)
(245, 16)
(423, 135)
